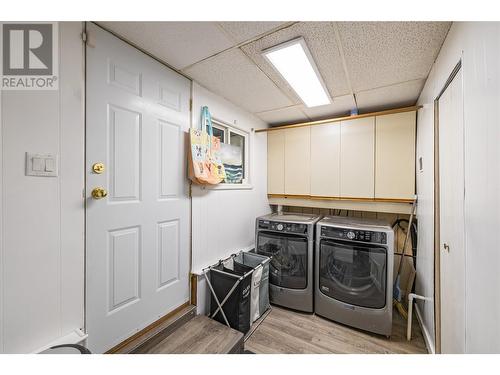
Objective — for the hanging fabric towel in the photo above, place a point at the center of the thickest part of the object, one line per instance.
(232, 158)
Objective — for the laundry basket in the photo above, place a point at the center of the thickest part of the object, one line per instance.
(259, 293)
(232, 290)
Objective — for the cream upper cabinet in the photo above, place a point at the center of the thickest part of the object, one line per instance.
(357, 158)
(297, 161)
(395, 156)
(276, 162)
(361, 158)
(325, 160)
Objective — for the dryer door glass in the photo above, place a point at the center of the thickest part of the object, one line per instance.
(288, 266)
(353, 273)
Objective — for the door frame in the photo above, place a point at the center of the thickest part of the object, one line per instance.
(437, 214)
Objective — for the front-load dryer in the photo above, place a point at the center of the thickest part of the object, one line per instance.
(289, 240)
(354, 271)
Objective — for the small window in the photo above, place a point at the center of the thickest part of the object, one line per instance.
(234, 149)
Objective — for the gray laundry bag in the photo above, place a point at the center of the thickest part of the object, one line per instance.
(245, 261)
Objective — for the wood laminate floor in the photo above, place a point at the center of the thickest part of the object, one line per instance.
(287, 331)
(200, 335)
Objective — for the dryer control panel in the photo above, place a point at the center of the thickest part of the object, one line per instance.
(354, 235)
(283, 226)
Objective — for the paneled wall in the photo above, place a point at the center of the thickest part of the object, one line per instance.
(390, 217)
(478, 45)
(42, 243)
(224, 218)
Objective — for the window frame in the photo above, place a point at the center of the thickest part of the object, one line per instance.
(246, 134)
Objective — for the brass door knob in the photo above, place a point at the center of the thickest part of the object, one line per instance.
(99, 193)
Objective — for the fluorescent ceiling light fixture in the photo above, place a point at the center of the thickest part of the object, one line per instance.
(294, 62)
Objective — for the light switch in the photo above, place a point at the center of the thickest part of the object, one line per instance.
(50, 165)
(38, 164)
(42, 165)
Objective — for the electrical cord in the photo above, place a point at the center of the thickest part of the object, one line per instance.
(413, 233)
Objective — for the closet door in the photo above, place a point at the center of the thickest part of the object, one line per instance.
(395, 156)
(451, 223)
(297, 161)
(276, 162)
(325, 160)
(357, 158)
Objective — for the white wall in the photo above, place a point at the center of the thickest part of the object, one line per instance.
(479, 46)
(42, 244)
(224, 220)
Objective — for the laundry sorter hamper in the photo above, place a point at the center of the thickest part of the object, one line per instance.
(230, 296)
(259, 290)
(239, 287)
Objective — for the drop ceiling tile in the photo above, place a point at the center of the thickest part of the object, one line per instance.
(243, 31)
(287, 115)
(320, 38)
(232, 75)
(341, 105)
(179, 44)
(399, 95)
(383, 53)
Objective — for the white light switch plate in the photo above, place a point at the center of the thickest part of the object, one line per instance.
(43, 165)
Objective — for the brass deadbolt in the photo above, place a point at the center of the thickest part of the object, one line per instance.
(99, 193)
(98, 168)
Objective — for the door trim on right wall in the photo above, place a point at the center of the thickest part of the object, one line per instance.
(437, 227)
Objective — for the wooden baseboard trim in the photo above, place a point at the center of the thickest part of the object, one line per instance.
(194, 289)
(143, 332)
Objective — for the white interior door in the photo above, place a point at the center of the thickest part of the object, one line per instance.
(138, 235)
(451, 198)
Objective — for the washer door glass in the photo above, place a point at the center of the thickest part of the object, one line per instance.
(353, 273)
(288, 266)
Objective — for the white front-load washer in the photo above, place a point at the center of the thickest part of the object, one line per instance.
(354, 271)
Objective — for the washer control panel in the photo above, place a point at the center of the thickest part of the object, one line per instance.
(283, 227)
(354, 235)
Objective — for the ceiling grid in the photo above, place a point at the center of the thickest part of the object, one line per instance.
(344, 64)
(365, 65)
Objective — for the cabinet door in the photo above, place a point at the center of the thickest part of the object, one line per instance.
(357, 157)
(395, 156)
(276, 162)
(325, 160)
(297, 161)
